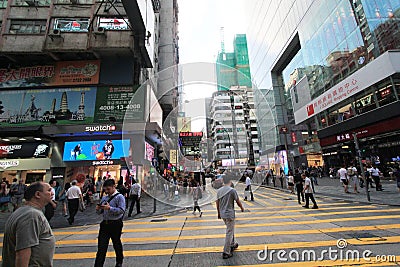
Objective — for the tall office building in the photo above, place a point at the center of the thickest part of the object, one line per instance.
(328, 69)
(233, 68)
(233, 124)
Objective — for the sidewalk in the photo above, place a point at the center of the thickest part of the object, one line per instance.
(332, 188)
(89, 216)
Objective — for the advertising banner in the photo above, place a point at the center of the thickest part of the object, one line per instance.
(24, 150)
(39, 106)
(115, 101)
(60, 73)
(96, 150)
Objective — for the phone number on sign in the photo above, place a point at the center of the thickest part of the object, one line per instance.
(120, 107)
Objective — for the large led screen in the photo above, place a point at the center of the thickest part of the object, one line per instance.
(96, 150)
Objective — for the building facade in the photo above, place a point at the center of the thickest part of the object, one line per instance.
(329, 70)
(68, 74)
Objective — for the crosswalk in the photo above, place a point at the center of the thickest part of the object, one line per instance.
(274, 221)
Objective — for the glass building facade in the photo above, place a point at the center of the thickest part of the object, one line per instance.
(301, 50)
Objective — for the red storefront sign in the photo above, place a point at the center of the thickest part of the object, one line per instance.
(378, 128)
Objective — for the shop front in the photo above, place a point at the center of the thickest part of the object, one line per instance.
(379, 144)
(24, 160)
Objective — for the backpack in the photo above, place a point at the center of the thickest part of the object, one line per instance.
(134, 190)
(199, 193)
(350, 172)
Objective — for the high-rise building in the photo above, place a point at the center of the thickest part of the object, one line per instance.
(168, 57)
(81, 62)
(327, 70)
(233, 68)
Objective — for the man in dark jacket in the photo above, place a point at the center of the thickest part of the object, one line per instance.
(299, 186)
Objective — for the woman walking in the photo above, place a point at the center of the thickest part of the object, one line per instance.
(4, 197)
(197, 194)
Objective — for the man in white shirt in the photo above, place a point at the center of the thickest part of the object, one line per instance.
(308, 192)
(352, 174)
(248, 190)
(342, 173)
(74, 194)
(134, 195)
(375, 174)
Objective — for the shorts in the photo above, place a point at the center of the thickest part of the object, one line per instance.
(355, 180)
(290, 184)
(345, 181)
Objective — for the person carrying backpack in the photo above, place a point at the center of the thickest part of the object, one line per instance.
(134, 195)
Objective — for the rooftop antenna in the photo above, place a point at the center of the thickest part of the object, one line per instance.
(222, 32)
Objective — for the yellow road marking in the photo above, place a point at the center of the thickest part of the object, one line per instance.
(190, 228)
(332, 263)
(162, 252)
(248, 234)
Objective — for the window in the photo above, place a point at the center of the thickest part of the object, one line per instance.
(3, 3)
(71, 24)
(28, 26)
(32, 2)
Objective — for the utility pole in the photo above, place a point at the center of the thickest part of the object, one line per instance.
(359, 158)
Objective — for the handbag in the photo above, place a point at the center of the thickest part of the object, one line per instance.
(5, 199)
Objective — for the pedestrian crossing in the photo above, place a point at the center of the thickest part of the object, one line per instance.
(275, 220)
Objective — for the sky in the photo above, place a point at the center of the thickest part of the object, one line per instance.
(200, 25)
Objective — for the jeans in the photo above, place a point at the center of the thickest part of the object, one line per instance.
(230, 236)
(73, 206)
(135, 199)
(113, 230)
(308, 197)
(299, 189)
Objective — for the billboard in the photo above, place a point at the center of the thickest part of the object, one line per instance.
(24, 150)
(96, 150)
(61, 73)
(113, 23)
(39, 106)
(116, 101)
(184, 124)
(149, 151)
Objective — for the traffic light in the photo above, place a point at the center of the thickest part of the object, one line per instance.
(1, 107)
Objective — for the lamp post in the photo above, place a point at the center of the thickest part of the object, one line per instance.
(359, 158)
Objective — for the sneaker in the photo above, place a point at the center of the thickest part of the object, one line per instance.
(315, 207)
(299, 203)
(226, 256)
(65, 215)
(201, 213)
(234, 247)
(193, 212)
(306, 207)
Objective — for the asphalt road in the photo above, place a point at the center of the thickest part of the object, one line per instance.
(274, 222)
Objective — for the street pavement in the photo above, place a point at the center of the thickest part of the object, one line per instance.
(274, 221)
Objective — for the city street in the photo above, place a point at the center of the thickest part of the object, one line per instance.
(274, 220)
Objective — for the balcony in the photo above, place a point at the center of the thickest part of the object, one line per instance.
(23, 43)
(67, 41)
(111, 40)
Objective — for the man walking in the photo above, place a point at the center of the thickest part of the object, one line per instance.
(308, 192)
(28, 238)
(226, 197)
(51, 206)
(342, 173)
(74, 195)
(352, 174)
(248, 190)
(17, 191)
(299, 186)
(134, 194)
(197, 194)
(112, 206)
(375, 174)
